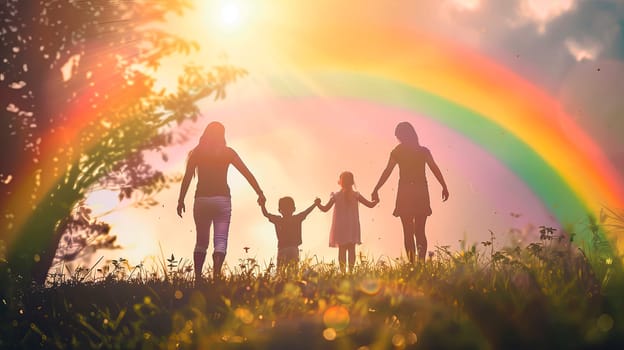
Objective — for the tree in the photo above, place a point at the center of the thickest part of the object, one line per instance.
(82, 234)
(80, 107)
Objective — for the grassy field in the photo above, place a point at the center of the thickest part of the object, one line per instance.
(548, 294)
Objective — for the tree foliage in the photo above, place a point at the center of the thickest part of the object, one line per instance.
(79, 107)
(83, 234)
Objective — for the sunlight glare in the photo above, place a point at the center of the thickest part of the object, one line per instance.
(230, 15)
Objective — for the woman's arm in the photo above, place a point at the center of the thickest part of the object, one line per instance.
(242, 168)
(326, 207)
(366, 202)
(186, 181)
(271, 217)
(438, 175)
(383, 178)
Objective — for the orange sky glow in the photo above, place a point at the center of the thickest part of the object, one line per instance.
(298, 146)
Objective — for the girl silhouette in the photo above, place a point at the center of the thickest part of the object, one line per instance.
(345, 228)
(412, 202)
(211, 159)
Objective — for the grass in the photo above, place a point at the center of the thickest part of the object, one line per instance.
(548, 294)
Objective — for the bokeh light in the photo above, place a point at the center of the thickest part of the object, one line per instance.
(336, 317)
(370, 286)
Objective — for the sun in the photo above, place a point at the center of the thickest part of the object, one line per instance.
(230, 15)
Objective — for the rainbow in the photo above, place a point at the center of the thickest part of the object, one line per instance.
(521, 125)
(517, 122)
(60, 147)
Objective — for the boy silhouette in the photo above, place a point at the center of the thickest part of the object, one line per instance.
(287, 228)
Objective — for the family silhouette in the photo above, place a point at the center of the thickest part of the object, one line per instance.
(345, 227)
(211, 158)
(412, 201)
(287, 228)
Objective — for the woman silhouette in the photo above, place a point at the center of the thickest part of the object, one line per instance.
(412, 202)
(211, 159)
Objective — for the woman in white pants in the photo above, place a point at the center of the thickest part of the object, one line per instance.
(211, 159)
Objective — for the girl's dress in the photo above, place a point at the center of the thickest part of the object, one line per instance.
(345, 228)
(413, 193)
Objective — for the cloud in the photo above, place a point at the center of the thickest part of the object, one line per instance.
(588, 51)
(589, 93)
(465, 5)
(542, 12)
(540, 40)
(573, 49)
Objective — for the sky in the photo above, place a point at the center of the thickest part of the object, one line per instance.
(573, 50)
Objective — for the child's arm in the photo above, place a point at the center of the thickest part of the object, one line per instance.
(266, 214)
(305, 213)
(366, 202)
(326, 207)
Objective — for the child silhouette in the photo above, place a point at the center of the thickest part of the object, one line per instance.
(345, 228)
(288, 229)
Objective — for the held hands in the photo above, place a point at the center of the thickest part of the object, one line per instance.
(181, 208)
(317, 201)
(374, 200)
(375, 197)
(261, 200)
(445, 194)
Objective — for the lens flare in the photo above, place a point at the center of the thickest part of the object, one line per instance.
(336, 317)
(370, 286)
